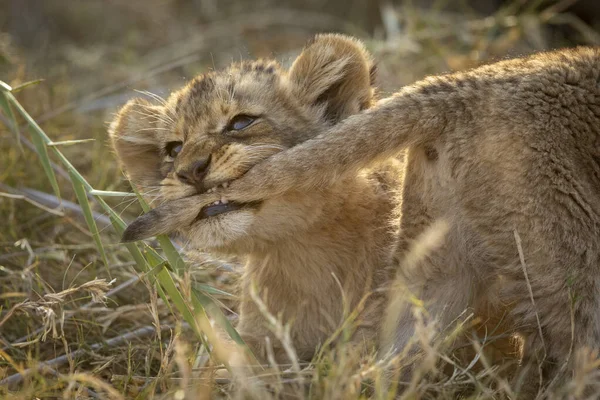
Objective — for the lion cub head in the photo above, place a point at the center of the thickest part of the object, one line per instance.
(222, 123)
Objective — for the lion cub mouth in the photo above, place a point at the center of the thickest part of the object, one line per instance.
(178, 214)
(222, 206)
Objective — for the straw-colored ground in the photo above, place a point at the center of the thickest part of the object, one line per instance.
(57, 295)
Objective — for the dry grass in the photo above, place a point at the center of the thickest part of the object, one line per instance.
(77, 324)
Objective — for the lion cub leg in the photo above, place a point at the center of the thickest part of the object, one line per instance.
(433, 293)
(564, 331)
(429, 270)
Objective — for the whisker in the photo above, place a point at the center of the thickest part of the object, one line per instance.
(148, 193)
(152, 201)
(128, 203)
(232, 94)
(267, 146)
(154, 96)
(157, 117)
(185, 245)
(126, 200)
(137, 140)
(153, 129)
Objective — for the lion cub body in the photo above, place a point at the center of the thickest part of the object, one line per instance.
(507, 156)
(312, 255)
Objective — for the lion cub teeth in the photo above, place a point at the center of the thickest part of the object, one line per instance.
(214, 189)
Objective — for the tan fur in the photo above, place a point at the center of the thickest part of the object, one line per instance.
(505, 151)
(307, 252)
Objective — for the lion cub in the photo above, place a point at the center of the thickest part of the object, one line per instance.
(312, 254)
(508, 157)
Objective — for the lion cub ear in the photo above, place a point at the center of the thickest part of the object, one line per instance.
(334, 72)
(133, 134)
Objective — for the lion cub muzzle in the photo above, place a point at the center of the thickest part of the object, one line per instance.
(195, 174)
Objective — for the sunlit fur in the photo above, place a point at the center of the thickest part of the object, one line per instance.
(308, 252)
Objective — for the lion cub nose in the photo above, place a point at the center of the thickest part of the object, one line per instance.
(195, 174)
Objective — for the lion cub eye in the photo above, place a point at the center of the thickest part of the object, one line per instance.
(240, 122)
(173, 148)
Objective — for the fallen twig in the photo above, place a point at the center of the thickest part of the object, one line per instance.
(49, 366)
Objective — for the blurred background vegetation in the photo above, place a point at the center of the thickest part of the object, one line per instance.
(92, 54)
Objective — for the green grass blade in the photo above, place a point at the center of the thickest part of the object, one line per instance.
(203, 287)
(201, 302)
(139, 259)
(70, 142)
(5, 87)
(109, 193)
(172, 254)
(14, 126)
(41, 135)
(89, 217)
(42, 151)
(205, 302)
(167, 282)
(165, 243)
(143, 203)
(39, 139)
(22, 86)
